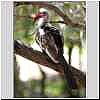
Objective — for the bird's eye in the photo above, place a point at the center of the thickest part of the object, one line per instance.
(45, 13)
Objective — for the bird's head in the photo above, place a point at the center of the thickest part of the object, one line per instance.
(43, 13)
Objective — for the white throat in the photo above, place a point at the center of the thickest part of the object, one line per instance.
(40, 22)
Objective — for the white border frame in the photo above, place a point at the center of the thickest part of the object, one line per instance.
(7, 49)
(7, 52)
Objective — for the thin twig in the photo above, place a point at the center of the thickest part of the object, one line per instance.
(65, 17)
(47, 22)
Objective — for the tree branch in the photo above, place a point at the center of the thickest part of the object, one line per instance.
(47, 22)
(65, 17)
(36, 56)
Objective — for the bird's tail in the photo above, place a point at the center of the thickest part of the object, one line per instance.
(68, 74)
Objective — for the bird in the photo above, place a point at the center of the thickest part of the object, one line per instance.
(51, 41)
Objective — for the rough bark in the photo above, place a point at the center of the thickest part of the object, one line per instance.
(42, 59)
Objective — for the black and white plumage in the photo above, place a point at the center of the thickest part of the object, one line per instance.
(51, 42)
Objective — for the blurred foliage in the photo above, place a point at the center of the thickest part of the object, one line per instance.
(54, 87)
(24, 30)
(24, 26)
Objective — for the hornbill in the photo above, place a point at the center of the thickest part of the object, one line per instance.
(51, 41)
